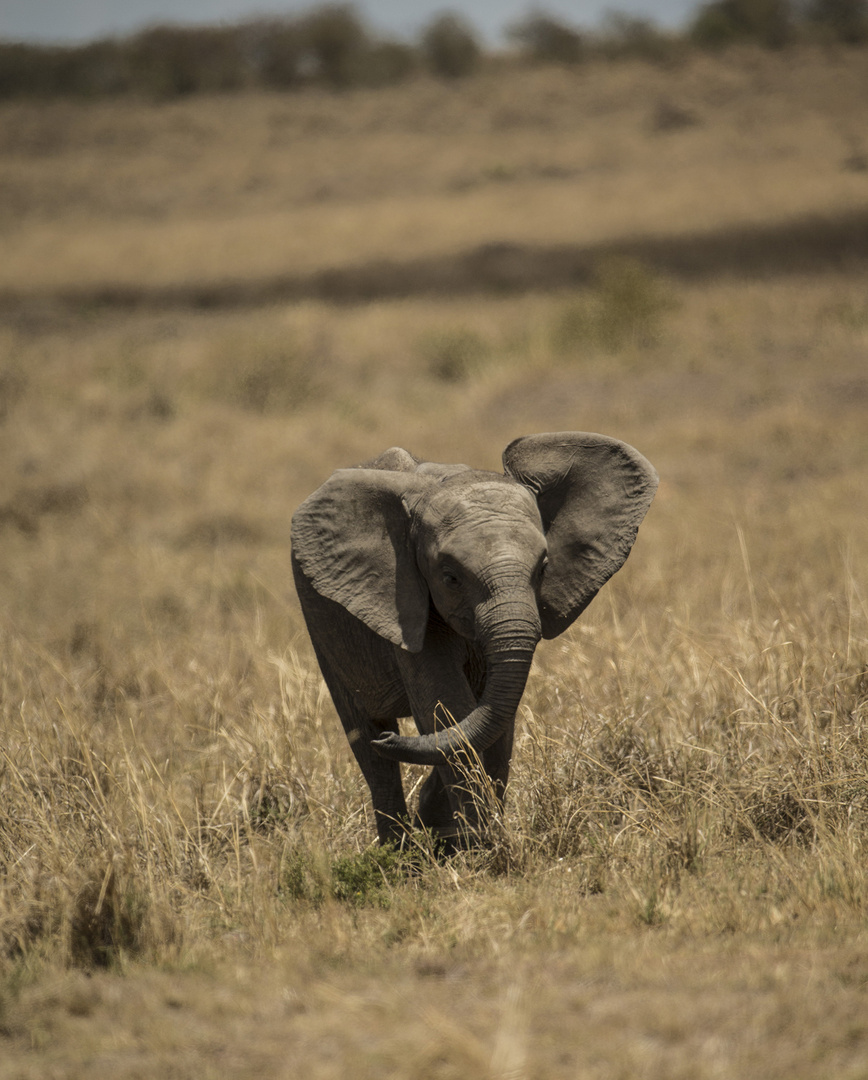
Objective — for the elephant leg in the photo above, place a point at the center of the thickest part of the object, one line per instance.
(439, 802)
(471, 791)
(496, 760)
(382, 776)
(435, 807)
(449, 809)
(439, 692)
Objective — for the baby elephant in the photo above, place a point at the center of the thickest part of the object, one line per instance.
(425, 589)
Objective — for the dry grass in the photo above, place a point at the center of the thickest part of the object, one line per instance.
(677, 887)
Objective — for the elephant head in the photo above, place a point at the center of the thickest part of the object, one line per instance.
(500, 559)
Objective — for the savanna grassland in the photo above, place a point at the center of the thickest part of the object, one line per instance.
(210, 304)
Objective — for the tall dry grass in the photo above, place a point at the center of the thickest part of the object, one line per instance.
(689, 776)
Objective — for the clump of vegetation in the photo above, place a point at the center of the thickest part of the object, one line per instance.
(452, 356)
(624, 36)
(112, 917)
(626, 307)
(450, 48)
(724, 22)
(268, 376)
(303, 877)
(546, 40)
(631, 302)
(169, 62)
(367, 878)
(336, 43)
(844, 20)
(331, 46)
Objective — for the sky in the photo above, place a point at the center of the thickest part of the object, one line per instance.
(66, 21)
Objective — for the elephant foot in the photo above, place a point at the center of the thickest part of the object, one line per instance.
(447, 841)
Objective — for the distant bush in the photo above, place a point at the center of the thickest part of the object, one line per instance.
(38, 71)
(336, 43)
(388, 62)
(327, 45)
(162, 62)
(846, 20)
(171, 61)
(454, 355)
(626, 308)
(544, 39)
(274, 50)
(725, 22)
(331, 46)
(627, 36)
(266, 375)
(450, 48)
(632, 302)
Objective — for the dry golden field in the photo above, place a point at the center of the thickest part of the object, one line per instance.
(207, 306)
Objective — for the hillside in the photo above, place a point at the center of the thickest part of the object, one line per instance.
(270, 188)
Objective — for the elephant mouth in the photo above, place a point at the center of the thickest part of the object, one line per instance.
(507, 672)
(465, 625)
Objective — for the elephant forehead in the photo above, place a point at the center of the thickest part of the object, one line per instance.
(473, 506)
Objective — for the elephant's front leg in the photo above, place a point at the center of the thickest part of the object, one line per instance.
(436, 812)
(496, 760)
(452, 799)
(382, 776)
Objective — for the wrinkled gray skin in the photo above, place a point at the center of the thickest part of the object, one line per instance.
(426, 588)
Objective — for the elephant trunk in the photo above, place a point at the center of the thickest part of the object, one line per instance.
(508, 653)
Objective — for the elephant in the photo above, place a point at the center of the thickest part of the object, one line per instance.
(426, 588)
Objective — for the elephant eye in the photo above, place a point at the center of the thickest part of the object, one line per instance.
(449, 576)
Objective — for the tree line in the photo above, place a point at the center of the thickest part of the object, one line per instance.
(332, 46)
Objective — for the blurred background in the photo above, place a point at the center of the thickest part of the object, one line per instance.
(81, 20)
(239, 252)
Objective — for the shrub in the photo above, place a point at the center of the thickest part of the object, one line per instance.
(454, 354)
(172, 61)
(450, 48)
(265, 375)
(336, 43)
(388, 62)
(364, 879)
(628, 36)
(846, 20)
(626, 308)
(275, 50)
(724, 22)
(545, 40)
(107, 919)
(328, 44)
(303, 877)
(31, 70)
(632, 300)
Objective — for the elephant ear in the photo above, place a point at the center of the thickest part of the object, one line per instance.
(592, 493)
(352, 541)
